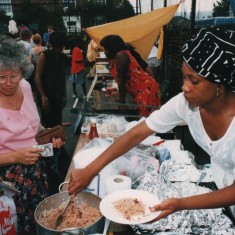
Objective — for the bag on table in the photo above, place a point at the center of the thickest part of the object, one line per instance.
(8, 218)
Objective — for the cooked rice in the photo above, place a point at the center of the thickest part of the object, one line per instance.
(129, 207)
(75, 216)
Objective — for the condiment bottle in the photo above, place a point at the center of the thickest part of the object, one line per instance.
(93, 130)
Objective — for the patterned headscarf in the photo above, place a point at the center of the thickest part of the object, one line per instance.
(212, 55)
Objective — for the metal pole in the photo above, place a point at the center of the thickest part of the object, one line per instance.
(193, 13)
(68, 1)
(140, 7)
(165, 3)
(164, 60)
(137, 8)
(151, 5)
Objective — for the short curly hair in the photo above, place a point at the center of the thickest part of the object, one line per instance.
(12, 55)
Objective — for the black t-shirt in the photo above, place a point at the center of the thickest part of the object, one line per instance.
(54, 77)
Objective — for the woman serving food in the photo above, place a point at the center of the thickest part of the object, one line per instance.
(206, 105)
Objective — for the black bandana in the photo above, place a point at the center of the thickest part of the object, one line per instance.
(212, 55)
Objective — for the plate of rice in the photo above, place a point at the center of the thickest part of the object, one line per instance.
(129, 206)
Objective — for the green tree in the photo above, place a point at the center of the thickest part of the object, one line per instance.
(4, 19)
(107, 13)
(123, 12)
(28, 14)
(221, 8)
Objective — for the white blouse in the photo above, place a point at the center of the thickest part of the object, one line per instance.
(222, 152)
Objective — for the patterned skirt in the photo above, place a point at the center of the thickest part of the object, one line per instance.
(31, 181)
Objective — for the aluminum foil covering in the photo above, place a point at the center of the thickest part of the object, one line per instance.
(149, 150)
(203, 222)
(184, 172)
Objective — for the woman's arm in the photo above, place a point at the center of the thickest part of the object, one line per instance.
(38, 81)
(122, 64)
(220, 198)
(31, 58)
(25, 156)
(80, 178)
(38, 76)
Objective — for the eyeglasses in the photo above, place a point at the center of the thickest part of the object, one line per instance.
(13, 78)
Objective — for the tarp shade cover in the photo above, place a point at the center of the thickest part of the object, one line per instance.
(140, 31)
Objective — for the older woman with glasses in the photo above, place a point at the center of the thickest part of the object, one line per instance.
(20, 163)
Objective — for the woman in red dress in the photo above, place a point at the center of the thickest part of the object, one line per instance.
(131, 78)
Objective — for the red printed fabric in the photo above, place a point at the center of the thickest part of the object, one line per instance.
(32, 182)
(77, 61)
(144, 89)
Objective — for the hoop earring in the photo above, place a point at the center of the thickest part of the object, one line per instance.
(219, 91)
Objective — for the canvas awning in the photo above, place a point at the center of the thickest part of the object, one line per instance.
(140, 31)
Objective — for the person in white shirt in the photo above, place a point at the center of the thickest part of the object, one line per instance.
(206, 105)
(25, 37)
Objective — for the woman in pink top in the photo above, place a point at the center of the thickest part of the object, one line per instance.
(78, 72)
(20, 163)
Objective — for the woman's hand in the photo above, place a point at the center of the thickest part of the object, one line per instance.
(27, 156)
(167, 207)
(79, 178)
(45, 105)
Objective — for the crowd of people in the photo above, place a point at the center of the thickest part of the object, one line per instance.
(33, 94)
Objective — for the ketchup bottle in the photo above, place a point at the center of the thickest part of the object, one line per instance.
(93, 130)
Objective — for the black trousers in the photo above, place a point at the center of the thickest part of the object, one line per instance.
(56, 168)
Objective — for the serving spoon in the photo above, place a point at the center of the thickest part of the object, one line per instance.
(60, 218)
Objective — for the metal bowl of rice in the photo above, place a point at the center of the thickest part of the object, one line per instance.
(92, 221)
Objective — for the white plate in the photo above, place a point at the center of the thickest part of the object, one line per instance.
(108, 210)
